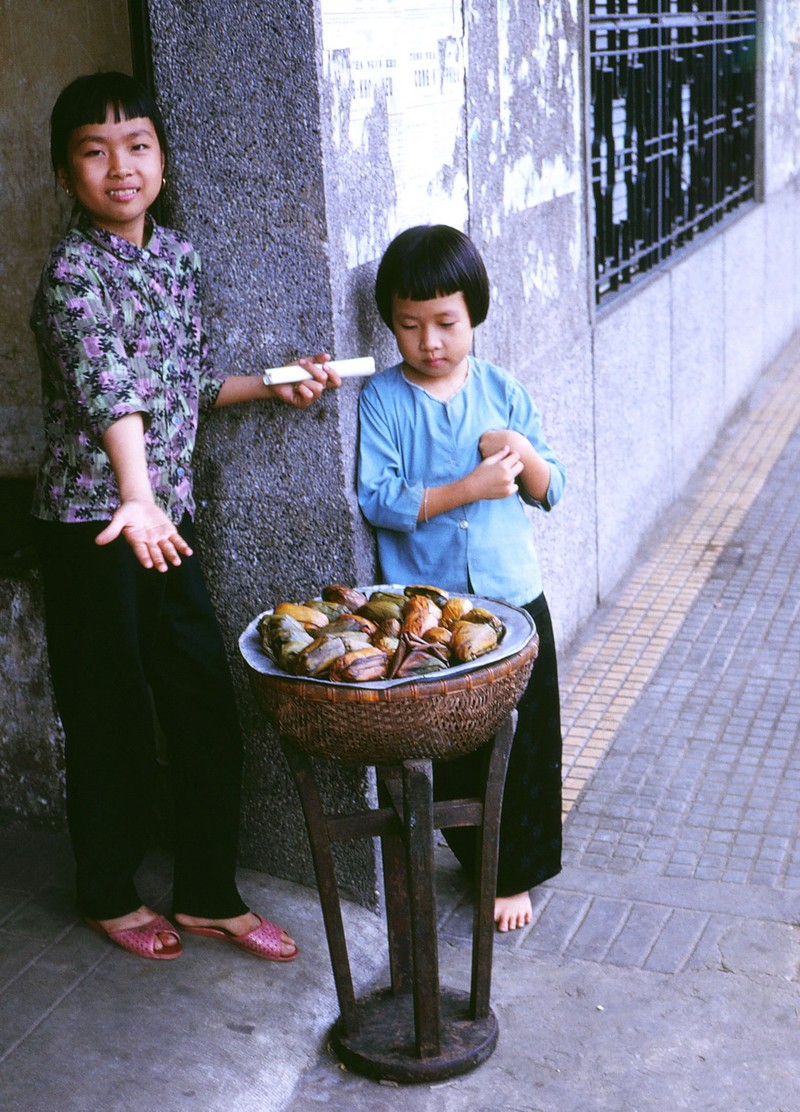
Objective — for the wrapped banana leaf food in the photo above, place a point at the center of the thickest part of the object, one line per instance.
(348, 636)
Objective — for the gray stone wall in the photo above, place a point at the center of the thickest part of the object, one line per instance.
(41, 49)
(31, 742)
(277, 517)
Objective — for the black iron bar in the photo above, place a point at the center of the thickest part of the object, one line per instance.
(673, 114)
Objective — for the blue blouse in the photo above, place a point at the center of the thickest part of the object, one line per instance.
(409, 440)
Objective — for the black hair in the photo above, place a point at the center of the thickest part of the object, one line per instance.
(87, 100)
(432, 260)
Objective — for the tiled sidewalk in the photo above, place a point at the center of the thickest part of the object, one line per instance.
(683, 724)
(703, 780)
(622, 648)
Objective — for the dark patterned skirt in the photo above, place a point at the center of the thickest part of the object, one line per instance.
(530, 828)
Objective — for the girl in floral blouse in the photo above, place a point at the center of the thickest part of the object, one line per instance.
(125, 378)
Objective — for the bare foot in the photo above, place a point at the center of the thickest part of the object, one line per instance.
(512, 912)
(138, 918)
(238, 926)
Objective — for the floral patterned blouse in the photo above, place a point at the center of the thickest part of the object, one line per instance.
(119, 331)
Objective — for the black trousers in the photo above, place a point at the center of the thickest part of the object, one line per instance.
(123, 640)
(530, 825)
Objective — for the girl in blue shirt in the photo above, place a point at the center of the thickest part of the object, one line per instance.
(450, 448)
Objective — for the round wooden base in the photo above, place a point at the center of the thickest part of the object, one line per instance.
(385, 1048)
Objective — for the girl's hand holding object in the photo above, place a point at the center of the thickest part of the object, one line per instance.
(497, 474)
(302, 383)
(342, 368)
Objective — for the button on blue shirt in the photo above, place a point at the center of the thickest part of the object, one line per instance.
(407, 442)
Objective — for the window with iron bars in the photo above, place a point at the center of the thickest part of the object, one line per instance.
(672, 122)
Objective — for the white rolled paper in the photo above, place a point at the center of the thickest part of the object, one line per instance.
(345, 368)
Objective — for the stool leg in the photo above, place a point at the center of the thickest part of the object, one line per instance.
(486, 880)
(418, 795)
(325, 870)
(395, 885)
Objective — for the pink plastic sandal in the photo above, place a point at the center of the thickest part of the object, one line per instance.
(264, 940)
(141, 940)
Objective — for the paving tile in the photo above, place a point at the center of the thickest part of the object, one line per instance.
(603, 920)
(639, 934)
(557, 922)
(677, 942)
(39, 985)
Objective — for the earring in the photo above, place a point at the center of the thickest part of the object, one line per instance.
(67, 190)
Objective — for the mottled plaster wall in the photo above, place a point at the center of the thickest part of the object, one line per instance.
(781, 142)
(527, 214)
(508, 168)
(780, 59)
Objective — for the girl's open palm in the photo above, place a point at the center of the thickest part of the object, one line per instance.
(155, 541)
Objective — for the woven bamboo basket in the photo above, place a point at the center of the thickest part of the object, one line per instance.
(439, 715)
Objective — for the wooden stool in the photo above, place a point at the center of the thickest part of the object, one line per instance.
(413, 1031)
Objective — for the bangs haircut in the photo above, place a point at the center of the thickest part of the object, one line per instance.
(88, 99)
(431, 261)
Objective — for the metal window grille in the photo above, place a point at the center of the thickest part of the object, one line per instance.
(673, 121)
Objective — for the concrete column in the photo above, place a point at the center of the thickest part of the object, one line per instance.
(239, 87)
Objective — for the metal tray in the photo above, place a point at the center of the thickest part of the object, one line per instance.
(520, 628)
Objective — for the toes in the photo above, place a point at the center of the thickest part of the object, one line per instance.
(512, 912)
(288, 945)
